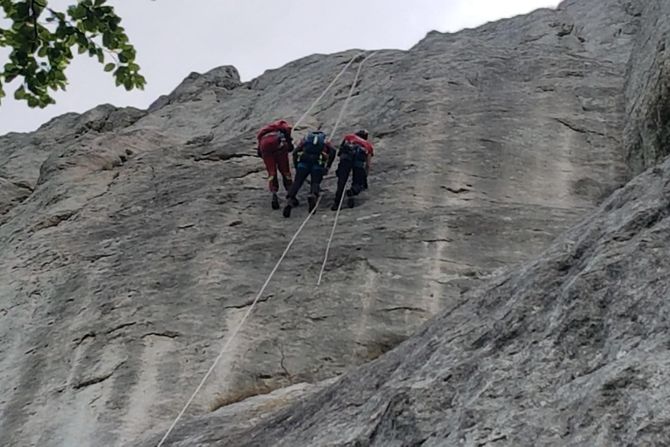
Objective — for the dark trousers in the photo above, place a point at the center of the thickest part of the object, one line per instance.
(359, 178)
(315, 171)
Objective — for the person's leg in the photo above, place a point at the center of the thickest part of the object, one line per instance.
(343, 170)
(357, 185)
(316, 175)
(300, 176)
(315, 178)
(271, 166)
(359, 180)
(285, 169)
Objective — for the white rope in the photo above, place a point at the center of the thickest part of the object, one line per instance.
(239, 325)
(304, 115)
(267, 281)
(330, 239)
(339, 206)
(351, 92)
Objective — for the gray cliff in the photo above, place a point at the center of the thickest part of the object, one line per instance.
(496, 225)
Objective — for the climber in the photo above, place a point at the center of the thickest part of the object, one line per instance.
(314, 157)
(355, 154)
(274, 144)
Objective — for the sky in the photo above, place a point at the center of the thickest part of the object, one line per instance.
(176, 37)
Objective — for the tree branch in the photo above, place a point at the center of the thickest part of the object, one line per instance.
(34, 16)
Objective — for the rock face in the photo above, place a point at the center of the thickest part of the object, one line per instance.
(22, 155)
(131, 242)
(647, 132)
(568, 349)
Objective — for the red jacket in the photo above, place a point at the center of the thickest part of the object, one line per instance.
(358, 141)
(277, 126)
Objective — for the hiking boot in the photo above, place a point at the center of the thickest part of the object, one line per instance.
(335, 206)
(287, 211)
(275, 202)
(350, 202)
(311, 200)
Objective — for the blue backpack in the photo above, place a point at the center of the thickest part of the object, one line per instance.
(314, 143)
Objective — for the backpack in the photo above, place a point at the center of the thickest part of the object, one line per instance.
(281, 128)
(314, 143)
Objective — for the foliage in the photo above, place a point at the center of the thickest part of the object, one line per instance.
(41, 42)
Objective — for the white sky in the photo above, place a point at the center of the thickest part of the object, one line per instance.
(176, 37)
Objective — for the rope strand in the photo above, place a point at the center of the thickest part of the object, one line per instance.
(339, 206)
(304, 115)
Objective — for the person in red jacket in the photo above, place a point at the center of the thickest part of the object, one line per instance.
(355, 154)
(274, 145)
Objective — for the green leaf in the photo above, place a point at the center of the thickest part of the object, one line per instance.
(41, 77)
(77, 12)
(39, 57)
(121, 72)
(10, 77)
(22, 11)
(81, 39)
(107, 40)
(20, 93)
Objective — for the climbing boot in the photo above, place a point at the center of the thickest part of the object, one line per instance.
(350, 198)
(287, 211)
(275, 202)
(335, 206)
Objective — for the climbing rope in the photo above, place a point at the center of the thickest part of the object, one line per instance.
(304, 115)
(351, 92)
(274, 270)
(239, 325)
(339, 206)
